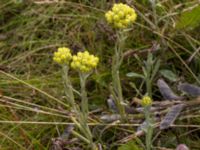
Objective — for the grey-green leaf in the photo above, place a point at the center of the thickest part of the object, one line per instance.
(135, 75)
(169, 75)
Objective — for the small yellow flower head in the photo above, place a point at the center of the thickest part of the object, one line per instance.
(121, 16)
(62, 56)
(84, 62)
(146, 101)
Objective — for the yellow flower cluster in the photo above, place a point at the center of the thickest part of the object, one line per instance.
(62, 56)
(121, 16)
(146, 101)
(84, 62)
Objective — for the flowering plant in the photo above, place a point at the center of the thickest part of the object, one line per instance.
(121, 16)
(83, 62)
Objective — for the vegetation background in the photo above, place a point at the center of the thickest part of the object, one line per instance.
(31, 110)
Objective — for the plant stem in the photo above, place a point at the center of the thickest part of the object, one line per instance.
(149, 66)
(68, 87)
(118, 93)
(82, 114)
(153, 5)
(149, 132)
(84, 109)
(116, 62)
(148, 86)
(84, 99)
(81, 137)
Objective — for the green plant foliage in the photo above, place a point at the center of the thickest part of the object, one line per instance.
(189, 19)
(129, 146)
(134, 75)
(169, 75)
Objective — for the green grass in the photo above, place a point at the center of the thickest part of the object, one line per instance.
(30, 33)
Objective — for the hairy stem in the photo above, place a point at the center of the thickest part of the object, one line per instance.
(68, 87)
(84, 108)
(116, 63)
(149, 131)
(84, 99)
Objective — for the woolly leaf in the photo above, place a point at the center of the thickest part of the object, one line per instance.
(171, 116)
(169, 75)
(166, 91)
(191, 89)
(133, 74)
